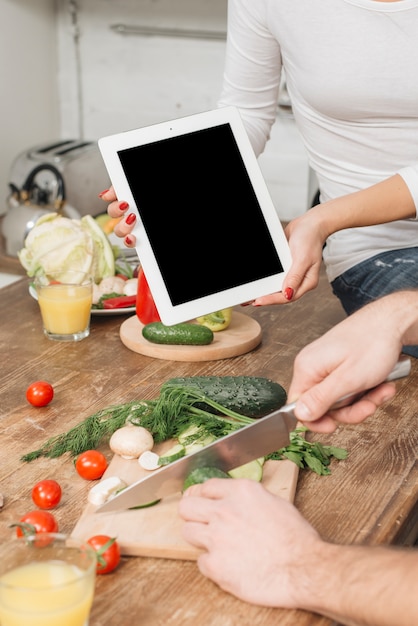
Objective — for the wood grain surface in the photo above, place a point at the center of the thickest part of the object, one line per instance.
(370, 498)
(243, 335)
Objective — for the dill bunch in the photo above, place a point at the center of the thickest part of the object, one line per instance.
(165, 418)
(90, 433)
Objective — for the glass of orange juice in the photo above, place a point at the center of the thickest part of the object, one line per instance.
(65, 299)
(46, 580)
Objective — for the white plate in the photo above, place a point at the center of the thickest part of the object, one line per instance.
(123, 311)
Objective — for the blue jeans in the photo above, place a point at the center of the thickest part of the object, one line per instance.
(378, 276)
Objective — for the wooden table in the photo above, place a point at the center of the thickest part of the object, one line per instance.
(370, 498)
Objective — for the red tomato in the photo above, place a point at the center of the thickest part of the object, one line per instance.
(107, 551)
(38, 522)
(39, 393)
(146, 310)
(46, 494)
(91, 464)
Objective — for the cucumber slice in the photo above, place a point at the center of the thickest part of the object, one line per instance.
(191, 431)
(199, 444)
(201, 474)
(176, 452)
(252, 470)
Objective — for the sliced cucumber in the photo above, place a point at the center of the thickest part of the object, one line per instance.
(252, 470)
(176, 452)
(191, 431)
(199, 444)
(201, 474)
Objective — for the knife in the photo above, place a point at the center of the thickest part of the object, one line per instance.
(264, 436)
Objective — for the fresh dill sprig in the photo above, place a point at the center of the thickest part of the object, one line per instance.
(164, 418)
(91, 432)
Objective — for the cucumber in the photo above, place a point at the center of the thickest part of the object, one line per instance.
(252, 470)
(178, 334)
(248, 395)
(199, 444)
(201, 474)
(176, 452)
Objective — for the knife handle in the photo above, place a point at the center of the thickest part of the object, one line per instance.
(400, 370)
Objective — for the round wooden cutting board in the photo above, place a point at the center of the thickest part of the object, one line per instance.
(242, 336)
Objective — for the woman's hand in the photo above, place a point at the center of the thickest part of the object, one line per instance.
(120, 209)
(306, 240)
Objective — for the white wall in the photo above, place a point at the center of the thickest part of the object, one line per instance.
(28, 73)
(108, 82)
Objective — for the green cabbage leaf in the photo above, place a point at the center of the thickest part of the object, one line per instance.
(57, 242)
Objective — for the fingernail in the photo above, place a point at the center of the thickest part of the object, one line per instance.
(123, 206)
(288, 293)
(102, 193)
(128, 240)
(130, 219)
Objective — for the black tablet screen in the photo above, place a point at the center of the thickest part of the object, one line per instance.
(200, 212)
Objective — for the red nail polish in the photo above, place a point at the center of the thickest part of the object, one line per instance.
(102, 193)
(130, 219)
(128, 240)
(123, 206)
(288, 293)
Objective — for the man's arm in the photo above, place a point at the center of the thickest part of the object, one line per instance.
(258, 547)
(357, 354)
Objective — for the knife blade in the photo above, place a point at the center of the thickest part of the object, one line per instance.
(266, 435)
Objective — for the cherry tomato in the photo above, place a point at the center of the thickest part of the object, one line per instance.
(91, 464)
(39, 393)
(38, 522)
(46, 494)
(107, 551)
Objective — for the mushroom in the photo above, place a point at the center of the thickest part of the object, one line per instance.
(130, 442)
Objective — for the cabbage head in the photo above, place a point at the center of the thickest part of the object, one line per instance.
(57, 242)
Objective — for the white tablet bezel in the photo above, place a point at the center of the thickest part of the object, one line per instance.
(172, 314)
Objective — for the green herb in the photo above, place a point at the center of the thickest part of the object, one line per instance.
(311, 455)
(168, 417)
(165, 418)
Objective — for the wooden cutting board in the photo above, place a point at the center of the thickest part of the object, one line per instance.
(241, 336)
(156, 531)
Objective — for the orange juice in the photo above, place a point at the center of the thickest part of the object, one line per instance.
(46, 593)
(65, 308)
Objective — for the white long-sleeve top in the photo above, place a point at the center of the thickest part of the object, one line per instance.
(352, 75)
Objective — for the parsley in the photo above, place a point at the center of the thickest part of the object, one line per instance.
(309, 455)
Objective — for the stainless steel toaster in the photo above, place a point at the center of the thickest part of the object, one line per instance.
(82, 170)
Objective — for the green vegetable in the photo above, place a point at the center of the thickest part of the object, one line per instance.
(58, 242)
(250, 395)
(178, 334)
(252, 471)
(176, 409)
(202, 474)
(177, 413)
(305, 454)
(176, 452)
(219, 320)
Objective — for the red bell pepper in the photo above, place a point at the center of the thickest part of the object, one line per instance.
(121, 302)
(146, 310)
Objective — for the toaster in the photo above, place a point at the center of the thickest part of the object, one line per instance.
(80, 166)
(62, 176)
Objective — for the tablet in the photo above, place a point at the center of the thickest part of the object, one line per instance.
(208, 235)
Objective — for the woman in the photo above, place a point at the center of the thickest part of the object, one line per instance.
(351, 75)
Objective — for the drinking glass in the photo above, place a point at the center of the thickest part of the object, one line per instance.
(65, 299)
(46, 579)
